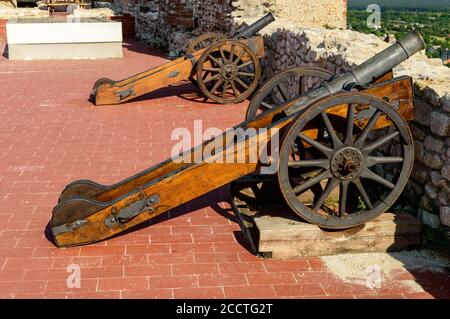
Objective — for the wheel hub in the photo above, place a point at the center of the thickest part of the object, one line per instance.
(347, 163)
(228, 72)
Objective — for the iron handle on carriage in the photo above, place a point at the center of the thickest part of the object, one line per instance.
(131, 211)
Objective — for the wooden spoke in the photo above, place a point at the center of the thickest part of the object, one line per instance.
(224, 89)
(301, 86)
(324, 149)
(311, 182)
(235, 90)
(238, 80)
(330, 129)
(246, 74)
(215, 60)
(267, 105)
(282, 92)
(363, 193)
(205, 75)
(243, 65)
(373, 160)
(349, 131)
(343, 192)
(230, 60)
(324, 163)
(331, 184)
(370, 124)
(212, 69)
(367, 173)
(380, 142)
(222, 55)
(239, 58)
(216, 86)
(215, 77)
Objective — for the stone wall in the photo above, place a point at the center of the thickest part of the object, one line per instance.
(92, 13)
(213, 15)
(338, 51)
(153, 27)
(8, 4)
(12, 13)
(303, 13)
(150, 20)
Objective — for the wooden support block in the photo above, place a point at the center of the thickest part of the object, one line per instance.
(281, 237)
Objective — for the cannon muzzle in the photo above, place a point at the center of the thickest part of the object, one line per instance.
(254, 28)
(367, 72)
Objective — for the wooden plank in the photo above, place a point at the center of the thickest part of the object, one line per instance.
(288, 238)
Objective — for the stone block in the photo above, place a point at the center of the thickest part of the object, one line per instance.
(432, 160)
(429, 219)
(431, 191)
(445, 216)
(433, 144)
(445, 102)
(435, 177)
(423, 112)
(445, 172)
(419, 132)
(420, 173)
(440, 123)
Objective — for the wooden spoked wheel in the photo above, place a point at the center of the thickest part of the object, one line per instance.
(287, 85)
(228, 72)
(203, 41)
(359, 173)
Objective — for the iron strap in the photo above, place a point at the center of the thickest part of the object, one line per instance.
(192, 58)
(68, 227)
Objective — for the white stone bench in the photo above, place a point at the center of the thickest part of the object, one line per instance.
(58, 38)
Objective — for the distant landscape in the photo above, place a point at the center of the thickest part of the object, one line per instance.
(402, 4)
(431, 19)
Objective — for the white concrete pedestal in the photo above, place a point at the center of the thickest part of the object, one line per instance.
(59, 38)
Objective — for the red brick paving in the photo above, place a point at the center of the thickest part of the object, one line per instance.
(51, 135)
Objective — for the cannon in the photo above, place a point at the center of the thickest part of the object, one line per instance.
(345, 137)
(226, 70)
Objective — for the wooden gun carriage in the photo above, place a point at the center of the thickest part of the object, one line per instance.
(225, 70)
(345, 133)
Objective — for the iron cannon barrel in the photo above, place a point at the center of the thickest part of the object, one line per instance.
(368, 71)
(381, 63)
(254, 28)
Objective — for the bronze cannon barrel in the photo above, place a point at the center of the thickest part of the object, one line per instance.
(368, 71)
(254, 28)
